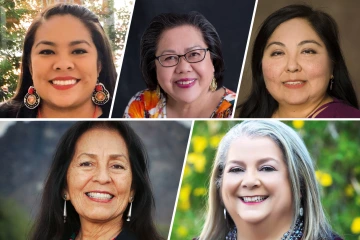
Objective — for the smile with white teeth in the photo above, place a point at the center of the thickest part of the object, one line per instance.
(102, 196)
(64, 83)
(294, 83)
(185, 82)
(253, 199)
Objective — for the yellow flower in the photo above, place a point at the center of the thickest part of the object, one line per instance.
(199, 191)
(355, 226)
(182, 231)
(184, 198)
(198, 160)
(349, 190)
(187, 170)
(214, 141)
(298, 124)
(199, 143)
(324, 178)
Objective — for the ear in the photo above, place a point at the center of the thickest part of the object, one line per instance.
(64, 193)
(99, 66)
(132, 196)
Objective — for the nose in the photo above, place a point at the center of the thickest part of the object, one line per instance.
(292, 64)
(63, 62)
(101, 175)
(183, 66)
(250, 180)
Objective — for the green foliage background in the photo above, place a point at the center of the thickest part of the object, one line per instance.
(334, 146)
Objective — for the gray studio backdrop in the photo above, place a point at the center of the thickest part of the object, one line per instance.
(26, 155)
(346, 15)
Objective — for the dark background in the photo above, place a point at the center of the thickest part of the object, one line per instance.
(230, 18)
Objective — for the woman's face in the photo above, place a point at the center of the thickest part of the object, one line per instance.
(296, 64)
(99, 176)
(185, 82)
(64, 62)
(255, 185)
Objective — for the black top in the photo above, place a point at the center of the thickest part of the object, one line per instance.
(125, 234)
(11, 109)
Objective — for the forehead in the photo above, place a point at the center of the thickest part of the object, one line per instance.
(294, 30)
(180, 38)
(251, 149)
(62, 29)
(101, 140)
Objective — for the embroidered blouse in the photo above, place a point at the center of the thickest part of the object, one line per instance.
(147, 104)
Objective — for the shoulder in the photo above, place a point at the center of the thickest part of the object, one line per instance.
(226, 105)
(145, 104)
(339, 109)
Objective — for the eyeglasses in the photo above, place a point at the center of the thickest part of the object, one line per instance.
(193, 56)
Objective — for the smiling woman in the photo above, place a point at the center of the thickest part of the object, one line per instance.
(67, 67)
(267, 194)
(98, 186)
(298, 70)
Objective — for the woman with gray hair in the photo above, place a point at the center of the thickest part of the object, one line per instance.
(263, 186)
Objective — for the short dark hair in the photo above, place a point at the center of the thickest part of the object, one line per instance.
(166, 21)
(50, 224)
(260, 103)
(107, 74)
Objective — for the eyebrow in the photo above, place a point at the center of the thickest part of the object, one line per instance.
(186, 50)
(259, 161)
(111, 156)
(72, 43)
(300, 44)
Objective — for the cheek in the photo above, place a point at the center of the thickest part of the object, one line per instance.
(271, 71)
(163, 74)
(317, 69)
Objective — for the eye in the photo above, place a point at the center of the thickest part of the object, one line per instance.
(236, 169)
(309, 51)
(79, 51)
(46, 52)
(86, 164)
(267, 169)
(276, 53)
(117, 166)
(170, 58)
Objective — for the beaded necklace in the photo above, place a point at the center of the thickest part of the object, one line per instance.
(293, 234)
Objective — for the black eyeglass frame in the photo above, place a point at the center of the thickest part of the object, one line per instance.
(183, 55)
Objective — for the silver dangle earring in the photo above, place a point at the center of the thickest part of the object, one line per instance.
(225, 213)
(301, 211)
(130, 208)
(65, 213)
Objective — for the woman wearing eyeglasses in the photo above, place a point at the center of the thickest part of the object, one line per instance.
(182, 65)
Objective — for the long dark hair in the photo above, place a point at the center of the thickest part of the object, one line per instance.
(50, 223)
(107, 74)
(260, 103)
(166, 21)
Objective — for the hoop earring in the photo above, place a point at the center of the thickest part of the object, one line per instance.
(158, 92)
(225, 213)
(213, 85)
(130, 208)
(31, 99)
(65, 213)
(100, 95)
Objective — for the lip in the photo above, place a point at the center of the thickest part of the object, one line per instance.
(294, 84)
(185, 82)
(64, 82)
(254, 202)
(101, 200)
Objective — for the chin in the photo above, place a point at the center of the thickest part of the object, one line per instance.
(252, 218)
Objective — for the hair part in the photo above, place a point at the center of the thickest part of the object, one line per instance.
(49, 222)
(107, 74)
(163, 22)
(260, 103)
(304, 187)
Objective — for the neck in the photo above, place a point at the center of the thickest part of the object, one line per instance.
(200, 108)
(99, 231)
(88, 110)
(301, 110)
(268, 229)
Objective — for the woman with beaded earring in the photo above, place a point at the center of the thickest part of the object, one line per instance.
(182, 65)
(98, 187)
(268, 194)
(67, 68)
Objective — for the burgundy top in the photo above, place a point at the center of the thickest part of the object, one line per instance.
(336, 109)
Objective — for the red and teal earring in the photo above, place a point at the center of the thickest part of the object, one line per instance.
(100, 95)
(31, 99)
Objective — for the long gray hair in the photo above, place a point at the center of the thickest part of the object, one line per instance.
(304, 187)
